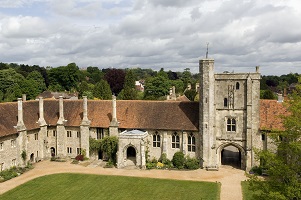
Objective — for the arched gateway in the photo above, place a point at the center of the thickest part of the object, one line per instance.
(131, 149)
(232, 154)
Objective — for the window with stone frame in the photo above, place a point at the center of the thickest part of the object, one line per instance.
(156, 140)
(191, 143)
(13, 143)
(69, 134)
(36, 137)
(13, 162)
(54, 133)
(1, 146)
(78, 134)
(69, 150)
(237, 86)
(100, 133)
(225, 102)
(231, 124)
(175, 140)
(78, 151)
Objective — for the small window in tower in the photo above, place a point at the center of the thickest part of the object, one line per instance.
(231, 125)
(237, 85)
(225, 102)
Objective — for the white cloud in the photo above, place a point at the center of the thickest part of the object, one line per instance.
(153, 33)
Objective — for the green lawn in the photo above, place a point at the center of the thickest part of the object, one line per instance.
(83, 186)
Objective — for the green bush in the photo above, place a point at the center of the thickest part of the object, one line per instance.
(178, 160)
(167, 163)
(191, 163)
(9, 173)
(256, 170)
(151, 165)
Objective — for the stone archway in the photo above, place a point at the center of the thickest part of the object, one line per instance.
(52, 151)
(32, 157)
(233, 155)
(131, 156)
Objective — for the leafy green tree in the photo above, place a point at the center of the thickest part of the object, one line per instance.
(102, 90)
(186, 77)
(10, 82)
(66, 76)
(95, 74)
(283, 166)
(128, 92)
(156, 87)
(190, 94)
(268, 94)
(38, 78)
(162, 73)
(30, 88)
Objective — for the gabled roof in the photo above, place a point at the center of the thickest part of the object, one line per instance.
(134, 114)
(270, 114)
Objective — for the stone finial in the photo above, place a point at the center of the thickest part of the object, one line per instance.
(257, 69)
(23, 97)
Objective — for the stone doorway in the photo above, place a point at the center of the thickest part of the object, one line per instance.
(131, 156)
(231, 155)
(32, 157)
(52, 151)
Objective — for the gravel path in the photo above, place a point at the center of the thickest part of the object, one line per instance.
(230, 178)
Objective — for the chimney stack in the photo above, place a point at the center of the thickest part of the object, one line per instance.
(24, 97)
(85, 109)
(61, 111)
(20, 123)
(42, 121)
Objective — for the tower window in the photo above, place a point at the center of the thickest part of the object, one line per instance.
(231, 124)
(237, 86)
(225, 102)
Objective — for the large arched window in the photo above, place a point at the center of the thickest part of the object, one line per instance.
(175, 141)
(231, 124)
(191, 143)
(156, 140)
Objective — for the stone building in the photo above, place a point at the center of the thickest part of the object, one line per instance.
(222, 128)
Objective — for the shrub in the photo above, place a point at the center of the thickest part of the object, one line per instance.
(79, 157)
(178, 160)
(150, 165)
(256, 170)
(74, 161)
(9, 173)
(191, 163)
(167, 163)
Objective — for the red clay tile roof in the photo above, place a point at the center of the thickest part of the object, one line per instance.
(161, 115)
(270, 112)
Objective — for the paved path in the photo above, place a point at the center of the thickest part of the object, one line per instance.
(230, 178)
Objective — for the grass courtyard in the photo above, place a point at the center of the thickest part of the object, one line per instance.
(83, 186)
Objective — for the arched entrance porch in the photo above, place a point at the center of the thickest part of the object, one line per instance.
(233, 155)
(131, 154)
(52, 151)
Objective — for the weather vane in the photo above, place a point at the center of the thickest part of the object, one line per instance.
(207, 50)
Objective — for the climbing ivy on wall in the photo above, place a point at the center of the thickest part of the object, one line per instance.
(109, 146)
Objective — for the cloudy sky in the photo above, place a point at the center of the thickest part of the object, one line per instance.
(172, 34)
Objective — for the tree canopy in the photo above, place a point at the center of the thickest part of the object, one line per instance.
(283, 166)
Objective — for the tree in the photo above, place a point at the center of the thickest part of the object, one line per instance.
(186, 77)
(268, 94)
(156, 87)
(128, 92)
(109, 145)
(102, 90)
(283, 166)
(115, 78)
(190, 94)
(65, 76)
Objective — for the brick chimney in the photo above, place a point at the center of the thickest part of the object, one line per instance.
(20, 123)
(61, 111)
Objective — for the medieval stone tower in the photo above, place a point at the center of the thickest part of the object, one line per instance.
(229, 117)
